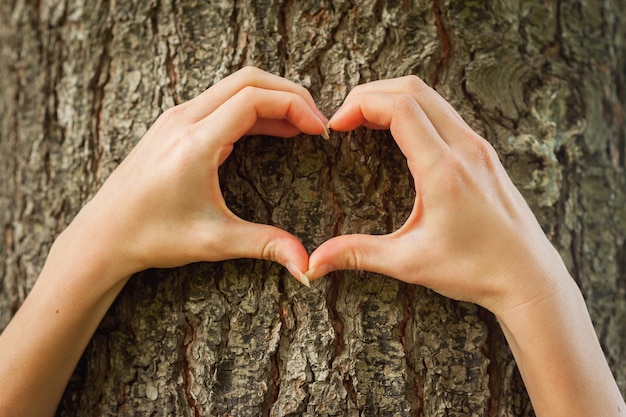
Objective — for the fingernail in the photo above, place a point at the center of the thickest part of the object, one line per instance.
(319, 271)
(297, 274)
(325, 133)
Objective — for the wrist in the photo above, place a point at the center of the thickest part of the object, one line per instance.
(529, 280)
(554, 298)
(90, 253)
(559, 356)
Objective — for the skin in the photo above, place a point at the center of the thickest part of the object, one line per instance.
(471, 236)
(162, 207)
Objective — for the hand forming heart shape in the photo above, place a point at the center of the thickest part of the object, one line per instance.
(462, 238)
(470, 228)
(470, 236)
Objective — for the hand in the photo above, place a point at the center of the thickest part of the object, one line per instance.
(471, 236)
(162, 207)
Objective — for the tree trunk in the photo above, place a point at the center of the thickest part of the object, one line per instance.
(542, 80)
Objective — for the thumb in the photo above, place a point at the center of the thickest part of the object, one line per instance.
(253, 240)
(358, 252)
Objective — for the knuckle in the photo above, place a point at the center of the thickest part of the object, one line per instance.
(249, 74)
(353, 258)
(405, 104)
(301, 91)
(172, 116)
(268, 250)
(483, 152)
(247, 94)
(357, 90)
(414, 84)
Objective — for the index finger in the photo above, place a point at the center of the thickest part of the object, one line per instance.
(411, 128)
(446, 120)
(208, 101)
(242, 111)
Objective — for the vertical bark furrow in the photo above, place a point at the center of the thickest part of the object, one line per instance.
(9, 145)
(444, 44)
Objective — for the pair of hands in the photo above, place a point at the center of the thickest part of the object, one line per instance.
(470, 236)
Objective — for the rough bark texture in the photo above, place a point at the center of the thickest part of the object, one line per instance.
(543, 80)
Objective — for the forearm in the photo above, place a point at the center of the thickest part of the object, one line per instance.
(162, 207)
(560, 358)
(41, 346)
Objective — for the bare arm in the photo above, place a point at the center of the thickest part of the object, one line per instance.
(471, 236)
(162, 207)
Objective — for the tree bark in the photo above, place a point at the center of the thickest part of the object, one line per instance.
(82, 80)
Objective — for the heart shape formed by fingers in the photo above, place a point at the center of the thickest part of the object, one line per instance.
(461, 238)
(378, 105)
(462, 234)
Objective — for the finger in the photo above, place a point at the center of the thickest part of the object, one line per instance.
(356, 252)
(205, 103)
(239, 115)
(401, 113)
(252, 240)
(442, 115)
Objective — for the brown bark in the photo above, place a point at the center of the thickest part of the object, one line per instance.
(80, 82)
